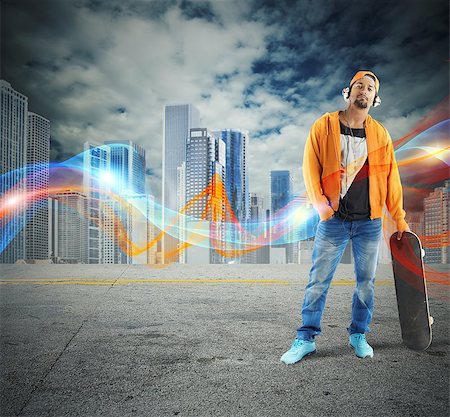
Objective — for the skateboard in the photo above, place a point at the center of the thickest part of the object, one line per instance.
(411, 289)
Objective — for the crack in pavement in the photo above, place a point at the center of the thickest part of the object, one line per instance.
(41, 381)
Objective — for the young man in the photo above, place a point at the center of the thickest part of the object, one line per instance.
(350, 173)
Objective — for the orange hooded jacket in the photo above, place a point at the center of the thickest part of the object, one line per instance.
(322, 164)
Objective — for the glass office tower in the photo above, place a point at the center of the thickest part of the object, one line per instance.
(237, 187)
(178, 120)
(96, 184)
(205, 170)
(281, 195)
(127, 166)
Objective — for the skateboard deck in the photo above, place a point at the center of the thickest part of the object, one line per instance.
(411, 291)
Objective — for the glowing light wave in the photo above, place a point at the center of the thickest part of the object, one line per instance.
(423, 157)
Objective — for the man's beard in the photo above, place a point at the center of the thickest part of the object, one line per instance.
(361, 103)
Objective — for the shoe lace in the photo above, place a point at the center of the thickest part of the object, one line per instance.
(360, 338)
(297, 343)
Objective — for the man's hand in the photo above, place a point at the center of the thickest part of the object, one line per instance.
(400, 232)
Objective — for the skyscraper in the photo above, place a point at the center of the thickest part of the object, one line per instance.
(178, 120)
(237, 187)
(297, 226)
(127, 166)
(127, 180)
(258, 228)
(71, 227)
(436, 224)
(96, 181)
(181, 202)
(116, 221)
(205, 170)
(280, 189)
(281, 196)
(415, 221)
(114, 181)
(142, 232)
(304, 225)
(38, 155)
(13, 136)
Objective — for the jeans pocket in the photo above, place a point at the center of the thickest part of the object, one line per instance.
(332, 231)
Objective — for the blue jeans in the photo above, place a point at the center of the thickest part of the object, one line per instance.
(331, 239)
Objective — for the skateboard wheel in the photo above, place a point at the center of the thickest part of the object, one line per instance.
(423, 253)
(431, 319)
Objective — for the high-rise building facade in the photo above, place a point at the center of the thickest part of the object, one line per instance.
(436, 224)
(70, 227)
(280, 190)
(151, 231)
(142, 246)
(300, 226)
(304, 227)
(127, 180)
(178, 120)
(127, 166)
(181, 203)
(13, 137)
(258, 229)
(250, 257)
(97, 182)
(281, 196)
(205, 193)
(114, 182)
(415, 222)
(116, 222)
(38, 157)
(237, 186)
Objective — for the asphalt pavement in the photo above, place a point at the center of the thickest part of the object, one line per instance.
(121, 340)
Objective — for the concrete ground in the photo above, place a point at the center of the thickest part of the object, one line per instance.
(205, 341)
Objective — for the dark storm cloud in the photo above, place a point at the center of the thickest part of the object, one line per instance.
(152, 9)
(58, 151)
(104, 69)
(39, 40)
(198, 10)
(28, 30)
(402, 43)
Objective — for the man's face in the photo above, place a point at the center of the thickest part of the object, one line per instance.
(363, 92)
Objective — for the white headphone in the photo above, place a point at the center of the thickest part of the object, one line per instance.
(346, 95)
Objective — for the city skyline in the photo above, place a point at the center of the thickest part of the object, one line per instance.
(268, 68)
(113, 170)
(434, 131)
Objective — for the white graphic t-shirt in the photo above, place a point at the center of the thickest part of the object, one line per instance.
(354, 198)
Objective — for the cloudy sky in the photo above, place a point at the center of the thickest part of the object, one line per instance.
(103, 69)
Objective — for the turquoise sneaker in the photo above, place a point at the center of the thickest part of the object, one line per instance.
(358, 342)
(299, 349)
